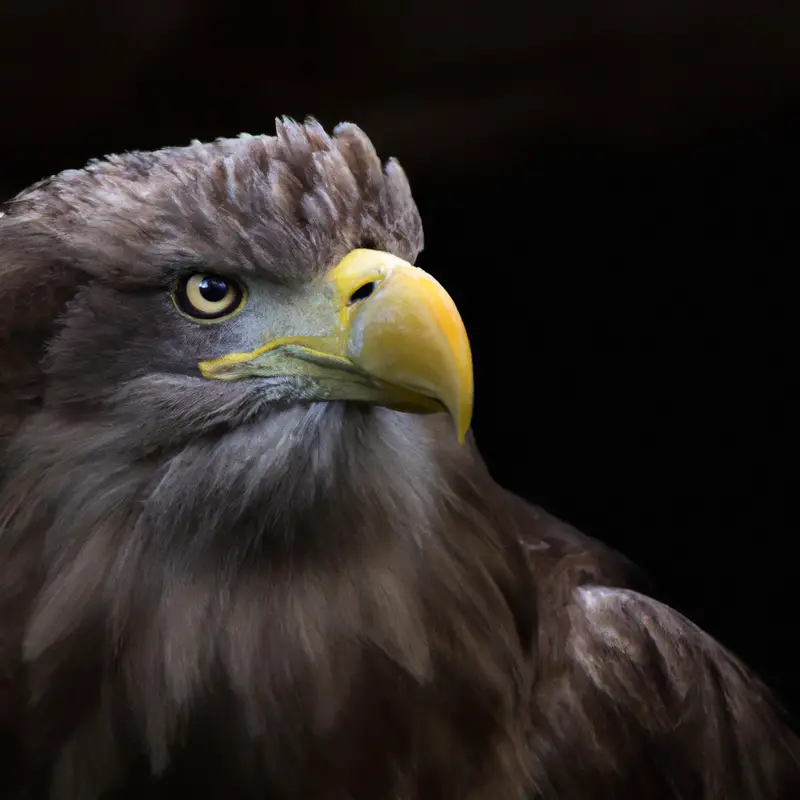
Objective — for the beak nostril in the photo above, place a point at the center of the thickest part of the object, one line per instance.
(362, 293)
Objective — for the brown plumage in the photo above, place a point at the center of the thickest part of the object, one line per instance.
(231, 589)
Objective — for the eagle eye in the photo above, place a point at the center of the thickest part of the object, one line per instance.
(207, 297)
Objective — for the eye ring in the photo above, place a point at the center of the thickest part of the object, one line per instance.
(208, 297)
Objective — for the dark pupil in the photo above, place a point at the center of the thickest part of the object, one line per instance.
(213, 289)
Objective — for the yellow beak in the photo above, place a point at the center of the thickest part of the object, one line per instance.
(392, 336)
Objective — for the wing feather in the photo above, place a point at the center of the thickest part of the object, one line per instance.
(644, 704)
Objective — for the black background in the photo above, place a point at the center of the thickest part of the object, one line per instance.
(609, 196)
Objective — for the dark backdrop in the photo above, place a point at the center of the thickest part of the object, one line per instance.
(609, 195)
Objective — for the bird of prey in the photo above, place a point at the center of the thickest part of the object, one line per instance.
(248, 548)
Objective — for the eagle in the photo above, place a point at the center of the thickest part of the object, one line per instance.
(248, 547)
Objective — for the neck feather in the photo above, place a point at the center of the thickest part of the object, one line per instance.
(282, 571)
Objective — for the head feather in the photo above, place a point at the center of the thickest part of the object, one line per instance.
(287, 205)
